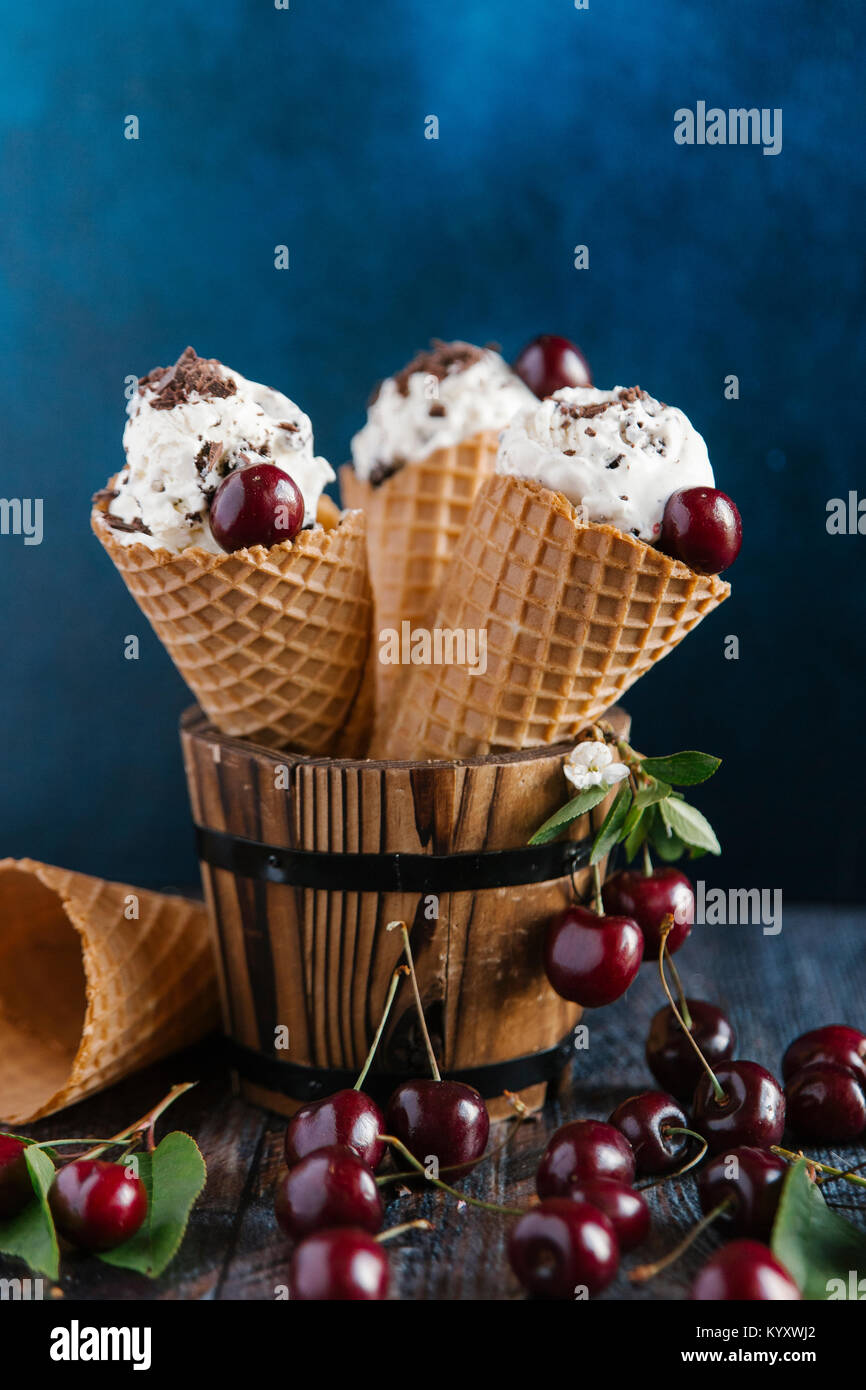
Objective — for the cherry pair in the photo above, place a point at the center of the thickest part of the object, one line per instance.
(643, 1136)
(332, 1148)
(733, 1102)
(825, 1072)
(588, 1214)
(443, 1118)
(591, 958)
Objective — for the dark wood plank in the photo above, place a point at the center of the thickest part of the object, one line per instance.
(774, 987)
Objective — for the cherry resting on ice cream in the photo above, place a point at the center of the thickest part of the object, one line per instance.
(257, 505)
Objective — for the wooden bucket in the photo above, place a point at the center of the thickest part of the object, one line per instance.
(306, 860)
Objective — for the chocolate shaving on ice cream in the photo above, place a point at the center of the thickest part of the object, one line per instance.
(208, 456)
(136, 524)
(621, 468)
(439, 360)
(190, 375)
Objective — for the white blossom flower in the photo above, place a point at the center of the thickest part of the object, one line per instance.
(592, 764)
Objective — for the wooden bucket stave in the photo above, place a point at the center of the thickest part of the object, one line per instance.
(317, 960)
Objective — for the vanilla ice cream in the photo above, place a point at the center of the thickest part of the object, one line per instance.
(189, 425)
(445, 395)
(619, 453)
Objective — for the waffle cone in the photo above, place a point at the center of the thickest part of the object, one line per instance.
(88, 991)
(414, 520)
(574, 615)
(272, 642)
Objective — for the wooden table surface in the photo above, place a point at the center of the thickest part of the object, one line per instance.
(773, 987)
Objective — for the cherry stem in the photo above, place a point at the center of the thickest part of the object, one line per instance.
(146, 1123)
(643, 1273)
(835, 1173)
(56, 1143)
(437, 1182)
(597, 903)
(684, 1007)
(392, 990)
(647, 860)
(420, 1225)
(521, 1114)
(692, 1163)
(407, 948)
(626, 752)
(667, 926)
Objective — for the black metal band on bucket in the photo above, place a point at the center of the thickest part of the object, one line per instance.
(390, 873)
(312, 1083)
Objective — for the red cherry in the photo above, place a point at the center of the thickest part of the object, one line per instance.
(257, 505)
(836, 1043)
(648, 899)
(343, 1265)
(548, 363)
(97, 1205)
(561, 1245)
(751, 1181)
(752, 1112)
(702, 527)
(589, 959)
(671, 1057)
(16, 1189)
(826, 1103)
(645, 1120)
(331, 1187)
(445, 1119)
(579, 1153)
(349, 1118)
(625, 1208)
(744, 1271)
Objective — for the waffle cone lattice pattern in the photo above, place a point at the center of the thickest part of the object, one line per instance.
(574, 615)
(97, 979)
(272, 642)
(415, 518)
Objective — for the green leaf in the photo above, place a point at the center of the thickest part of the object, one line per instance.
(173, 1175)
(656, 791)
(690, 825)
(815, 1244)
(668, 846)
(571, 811)
(636, 832)
(682, 769)
(30, 1235)
(610, 833)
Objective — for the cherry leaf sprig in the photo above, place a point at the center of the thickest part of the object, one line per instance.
(173, 1173)
(648, 808)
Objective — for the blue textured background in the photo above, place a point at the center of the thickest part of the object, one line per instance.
(306, 127)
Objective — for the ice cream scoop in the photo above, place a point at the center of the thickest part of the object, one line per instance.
(446, 394)
(619, 455)
(189, 426)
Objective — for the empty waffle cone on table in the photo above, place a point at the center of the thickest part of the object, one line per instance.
(97, 979)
